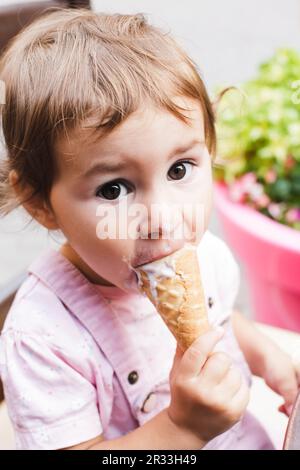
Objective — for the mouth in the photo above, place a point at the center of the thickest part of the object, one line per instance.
(150, 255)
(149, 259)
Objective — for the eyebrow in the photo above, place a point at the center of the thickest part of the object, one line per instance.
(113, 166)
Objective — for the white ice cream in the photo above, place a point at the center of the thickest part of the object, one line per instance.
(162, 268)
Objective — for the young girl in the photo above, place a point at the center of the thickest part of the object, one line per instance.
(105, 112)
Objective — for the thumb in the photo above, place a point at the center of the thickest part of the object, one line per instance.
(194, 358)
(289, 393)
(176, 361)
(285, 410)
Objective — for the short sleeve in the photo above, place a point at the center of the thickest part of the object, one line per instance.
(227, 274)
(50, 403)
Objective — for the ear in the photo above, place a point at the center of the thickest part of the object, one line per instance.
(37, 208)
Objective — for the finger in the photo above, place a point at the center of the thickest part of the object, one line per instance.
(241, 398)
(281, 408)
(215, 368)
(288, 389)
(196, 355)
(176, 361)
(230, 384)
(296, 363)
(285, 411)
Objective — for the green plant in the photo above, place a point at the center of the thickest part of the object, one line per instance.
(258, 129)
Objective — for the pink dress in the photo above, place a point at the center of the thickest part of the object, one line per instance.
(78, 360)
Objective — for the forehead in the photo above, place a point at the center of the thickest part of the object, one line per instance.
(146, 132)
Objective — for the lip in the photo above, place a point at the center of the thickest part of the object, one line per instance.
(150, 255)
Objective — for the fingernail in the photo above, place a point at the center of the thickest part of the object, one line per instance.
(289, 409)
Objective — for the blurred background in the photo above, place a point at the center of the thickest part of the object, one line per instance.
(226, 39)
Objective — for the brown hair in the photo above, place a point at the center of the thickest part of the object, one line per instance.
(70, 65)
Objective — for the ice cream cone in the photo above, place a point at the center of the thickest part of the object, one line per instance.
(173, 284)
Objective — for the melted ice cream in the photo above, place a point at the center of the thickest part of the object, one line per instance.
(162, 268)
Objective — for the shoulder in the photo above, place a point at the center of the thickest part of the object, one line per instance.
(214, 246)
(39, 319)
(41, 334)
(214, 250)
(36, 310)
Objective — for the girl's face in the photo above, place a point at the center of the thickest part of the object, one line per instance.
(137, 194)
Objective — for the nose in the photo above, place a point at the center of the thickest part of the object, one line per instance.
(161, 219)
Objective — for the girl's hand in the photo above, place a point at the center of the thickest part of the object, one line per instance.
(282, 376)
(208, 393)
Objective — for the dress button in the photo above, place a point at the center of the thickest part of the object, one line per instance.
(149, 403)
(133, 377)
(210, 302)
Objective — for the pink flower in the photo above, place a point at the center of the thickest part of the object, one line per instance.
(247, 181)
(293, 215)
(289, 163)
(263, 201)
(256, 192)
(237, 193)
(275, 210)
(270, 176)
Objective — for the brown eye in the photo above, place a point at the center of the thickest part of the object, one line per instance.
(179, 170)
(112, 190)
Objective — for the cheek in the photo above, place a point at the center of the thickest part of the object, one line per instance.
(201, 187)
(108, 259)
(78, 221)
(75, 220)
(200, 197)
(205, 185)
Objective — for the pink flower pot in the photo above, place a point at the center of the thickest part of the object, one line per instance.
(270, 252)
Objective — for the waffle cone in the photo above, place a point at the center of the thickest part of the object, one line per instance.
(178, 296)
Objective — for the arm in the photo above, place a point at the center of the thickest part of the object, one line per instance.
(267, 360)
(157, 434)
(254, 344)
